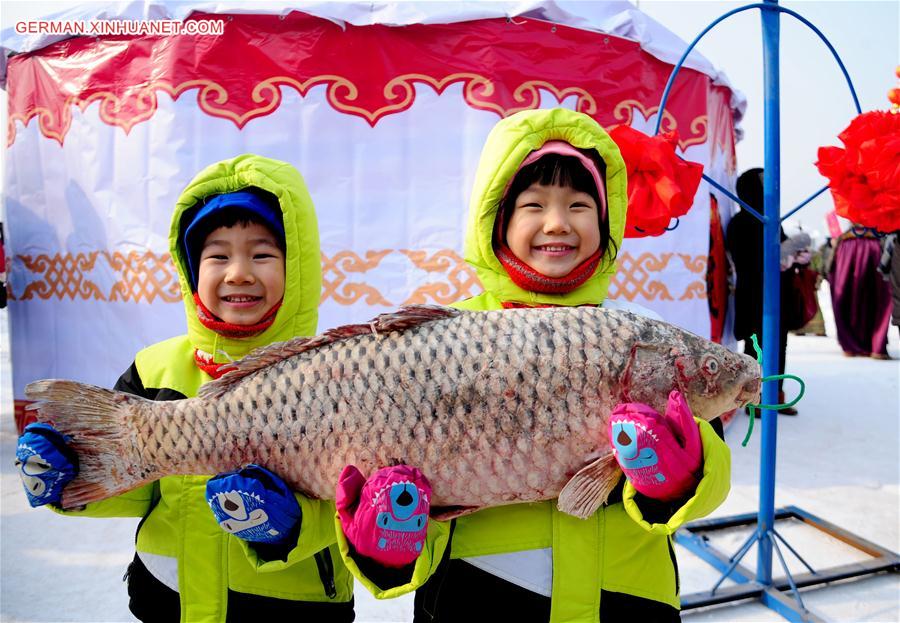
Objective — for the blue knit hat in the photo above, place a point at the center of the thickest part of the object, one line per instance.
(195, 233)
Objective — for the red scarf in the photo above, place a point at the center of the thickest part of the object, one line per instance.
(205, 362)
(212, 322)
(517, 305)
(529, 279)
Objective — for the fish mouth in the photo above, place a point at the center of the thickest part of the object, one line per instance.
(749, 392)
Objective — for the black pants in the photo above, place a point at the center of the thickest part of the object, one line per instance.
(460, 592)
(152, 601)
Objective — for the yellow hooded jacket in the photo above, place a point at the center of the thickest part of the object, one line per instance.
(179, 534)
(616, 549)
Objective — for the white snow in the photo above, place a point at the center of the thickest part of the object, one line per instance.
(839, 459)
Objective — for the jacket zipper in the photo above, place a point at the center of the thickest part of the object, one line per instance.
(674, 564)
(326, 572)
(433, 593)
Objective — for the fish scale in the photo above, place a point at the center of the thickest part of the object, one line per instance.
(494, 407)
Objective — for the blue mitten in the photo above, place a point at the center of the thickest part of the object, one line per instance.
(254, 504)
(45, 462)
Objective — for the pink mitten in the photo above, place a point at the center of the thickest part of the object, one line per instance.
(385, 517)
(660, 455)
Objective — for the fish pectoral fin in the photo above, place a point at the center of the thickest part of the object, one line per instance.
(587, 490)
(446, 513)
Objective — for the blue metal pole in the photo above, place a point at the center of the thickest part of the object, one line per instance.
(771, 286)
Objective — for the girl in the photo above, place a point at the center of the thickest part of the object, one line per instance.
(547, 216)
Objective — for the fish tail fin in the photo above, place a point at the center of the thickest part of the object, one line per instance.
(101, 426)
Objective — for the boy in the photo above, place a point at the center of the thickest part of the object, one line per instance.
(245, 242)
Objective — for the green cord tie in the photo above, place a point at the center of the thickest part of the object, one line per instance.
(753, 407)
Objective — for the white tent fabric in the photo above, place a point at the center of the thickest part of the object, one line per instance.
(614, 17)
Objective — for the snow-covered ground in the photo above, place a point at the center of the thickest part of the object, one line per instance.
(839, 459)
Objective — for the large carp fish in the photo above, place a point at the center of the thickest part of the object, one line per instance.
(494, 407)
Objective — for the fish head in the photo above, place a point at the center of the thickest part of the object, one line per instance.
(713, 379)
(716, 380)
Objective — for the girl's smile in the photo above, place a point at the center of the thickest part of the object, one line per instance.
(555, 250)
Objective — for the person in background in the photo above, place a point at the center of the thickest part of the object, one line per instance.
(3, 291)
(860, 298)
(798, 282)
(816, 326)
(744, 240)
(889, 266)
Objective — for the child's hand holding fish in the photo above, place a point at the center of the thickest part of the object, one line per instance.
(386, 516)
(661, 455)
(45, 462)
(254, 504)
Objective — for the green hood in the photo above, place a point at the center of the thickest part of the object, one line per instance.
(298, 315)
(508, 144)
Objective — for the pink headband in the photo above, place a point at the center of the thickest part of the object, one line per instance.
(562, 148)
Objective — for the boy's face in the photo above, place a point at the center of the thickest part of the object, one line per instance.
(241, 274)
(553, 229)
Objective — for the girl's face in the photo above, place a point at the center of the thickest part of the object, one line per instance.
(553, 229)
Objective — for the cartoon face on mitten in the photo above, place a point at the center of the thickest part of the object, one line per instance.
(238, 511)
(402, 516)
(403, 523)
(35, 473)
(632, 442)
(45, 463)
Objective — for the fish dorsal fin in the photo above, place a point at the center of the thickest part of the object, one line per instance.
(400, 320)
(590, 487)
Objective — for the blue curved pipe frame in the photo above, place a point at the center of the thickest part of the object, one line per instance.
(770, 16)
(768, 5)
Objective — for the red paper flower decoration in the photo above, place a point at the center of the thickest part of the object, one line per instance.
(894, 96)
(864, 176)
(661, 186)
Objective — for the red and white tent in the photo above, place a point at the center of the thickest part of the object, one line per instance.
(382, 107)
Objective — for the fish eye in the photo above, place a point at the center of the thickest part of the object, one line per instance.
(711, 366)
